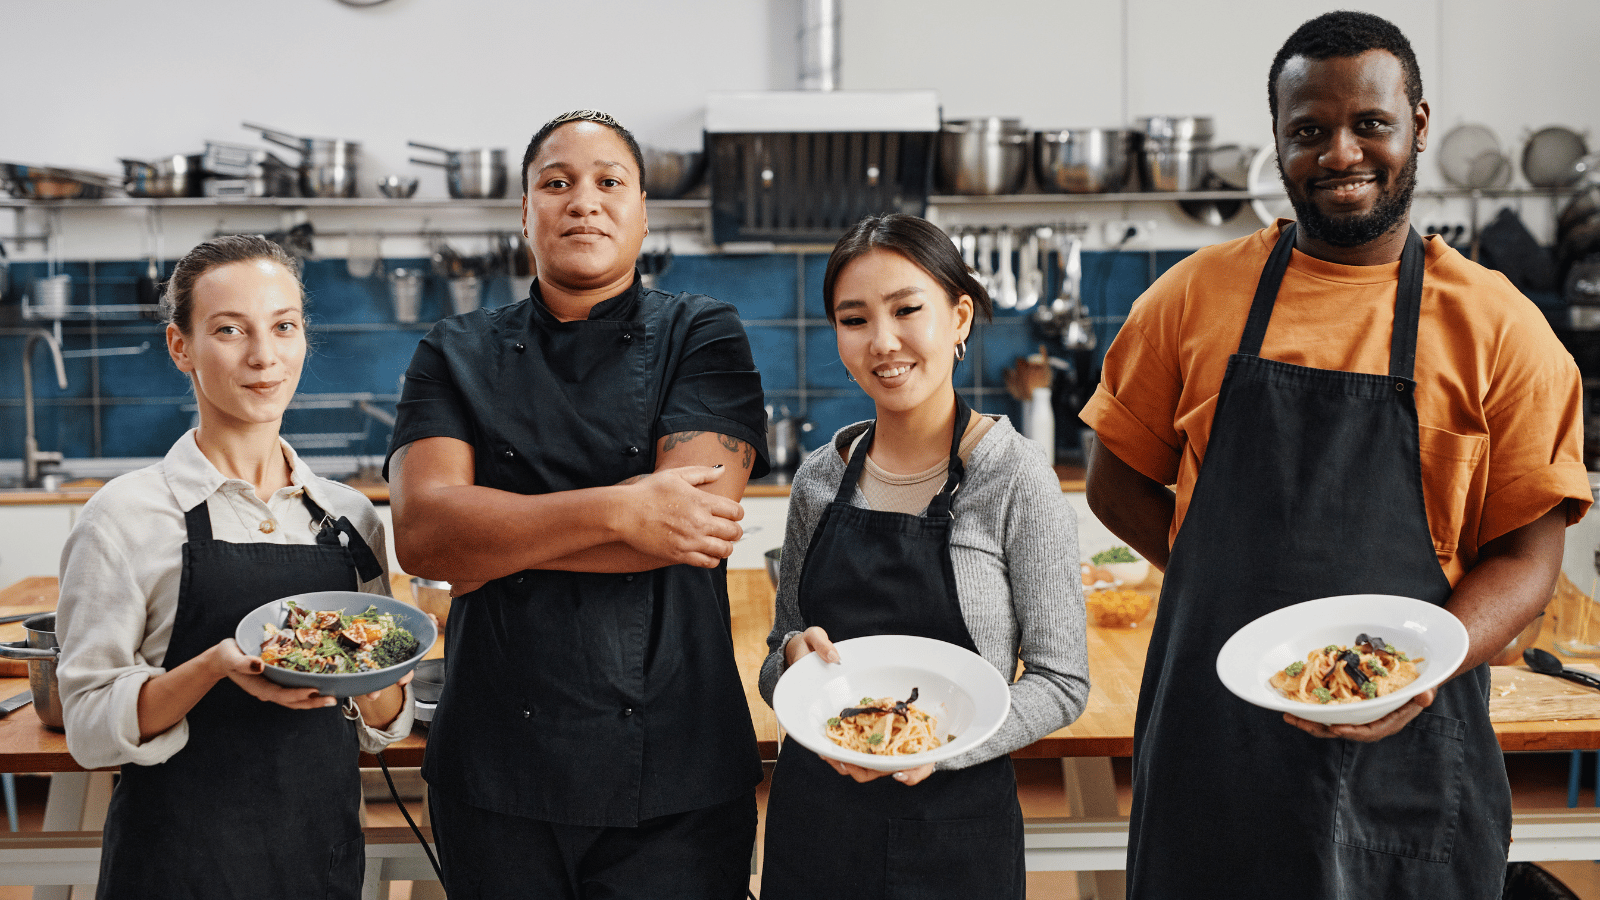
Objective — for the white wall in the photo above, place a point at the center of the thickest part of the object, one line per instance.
(91, 82)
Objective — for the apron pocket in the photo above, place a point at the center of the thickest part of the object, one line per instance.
(954, 858)
(1452, 461)
(346, 869)
(1402, 794)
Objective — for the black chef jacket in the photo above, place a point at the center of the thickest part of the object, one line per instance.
(584, 698)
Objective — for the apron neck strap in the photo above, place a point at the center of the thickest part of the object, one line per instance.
(1407, 302)
(957, 471)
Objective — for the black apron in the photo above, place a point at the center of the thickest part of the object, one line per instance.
(1311, 487)
(958, 834)
(263, 801)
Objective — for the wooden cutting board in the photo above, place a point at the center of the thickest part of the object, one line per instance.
(1519, 694)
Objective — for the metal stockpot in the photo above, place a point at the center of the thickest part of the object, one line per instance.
(327, 165)
(469, 174)
(1083, 160)
(41, 651)
(170, 176)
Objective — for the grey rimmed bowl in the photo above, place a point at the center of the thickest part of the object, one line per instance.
(349, 684)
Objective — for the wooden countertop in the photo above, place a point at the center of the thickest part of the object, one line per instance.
(1116, 664)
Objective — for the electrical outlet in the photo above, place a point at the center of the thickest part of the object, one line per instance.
(1116, 232)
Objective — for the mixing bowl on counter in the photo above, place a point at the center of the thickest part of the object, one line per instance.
(982, 157)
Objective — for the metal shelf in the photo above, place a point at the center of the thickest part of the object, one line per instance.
(300, 203)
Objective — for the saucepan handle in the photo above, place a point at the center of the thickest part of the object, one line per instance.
(21, 650)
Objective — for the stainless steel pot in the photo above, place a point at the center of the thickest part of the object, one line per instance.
(1174, 152)
(169, 176)
(53, 182)
(669, 174)
(1083, 160)
(469, 174)
(328, 166)
(982, 157)
(41, 651)
(784, 450)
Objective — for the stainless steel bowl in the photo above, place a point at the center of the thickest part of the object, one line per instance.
(1174, 152)
(397, 187)
(169, 176)
(982, 157)
(1083, 160)
(669, 174)
(773, 557)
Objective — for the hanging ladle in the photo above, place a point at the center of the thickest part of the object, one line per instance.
(1079, 333)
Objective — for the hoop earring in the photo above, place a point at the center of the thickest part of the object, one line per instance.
(961, 350)
(850, 378)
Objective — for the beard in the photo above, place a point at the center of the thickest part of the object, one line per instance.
(1392, 208)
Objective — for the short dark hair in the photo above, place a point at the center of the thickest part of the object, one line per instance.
(1344, 33)
(920, 242)
(177, 301)
(581, 115)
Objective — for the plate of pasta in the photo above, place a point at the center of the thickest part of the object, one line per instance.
(1344, 660)
(892, 702)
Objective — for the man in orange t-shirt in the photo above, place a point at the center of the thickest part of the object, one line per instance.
(1343, 408)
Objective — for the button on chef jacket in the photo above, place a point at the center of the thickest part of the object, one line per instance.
(584, 698)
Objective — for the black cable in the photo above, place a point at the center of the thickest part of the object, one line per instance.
(404, 812)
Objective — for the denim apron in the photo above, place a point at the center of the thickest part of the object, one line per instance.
(263, 801)
(956, 835)
(1313, 476)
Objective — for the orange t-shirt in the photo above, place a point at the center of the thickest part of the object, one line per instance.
(1498, 396)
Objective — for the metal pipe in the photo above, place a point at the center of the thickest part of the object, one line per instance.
(31, 456)
(819, 45)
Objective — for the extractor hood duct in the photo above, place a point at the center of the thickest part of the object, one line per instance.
(819, 45)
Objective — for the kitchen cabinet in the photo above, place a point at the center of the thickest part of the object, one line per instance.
(31, 537)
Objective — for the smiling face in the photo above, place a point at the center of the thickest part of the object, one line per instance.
(246, 344)
(897, 331)
(584, 210)
(1347, 141)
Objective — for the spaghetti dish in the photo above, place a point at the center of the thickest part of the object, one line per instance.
(885, 727)
(1335, 674)
(330, 642)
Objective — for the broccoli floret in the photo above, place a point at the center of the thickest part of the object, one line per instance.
(396, 647)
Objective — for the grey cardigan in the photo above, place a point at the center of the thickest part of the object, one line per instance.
(1014, 548)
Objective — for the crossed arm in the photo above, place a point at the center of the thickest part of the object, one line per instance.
(449, 528)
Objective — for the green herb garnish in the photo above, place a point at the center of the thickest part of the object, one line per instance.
(1113, 555)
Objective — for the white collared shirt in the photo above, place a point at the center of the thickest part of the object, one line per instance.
(120, 573)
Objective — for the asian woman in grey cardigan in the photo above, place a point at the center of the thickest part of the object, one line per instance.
(902, 304)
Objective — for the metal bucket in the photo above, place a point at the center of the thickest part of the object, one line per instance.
(41, 651)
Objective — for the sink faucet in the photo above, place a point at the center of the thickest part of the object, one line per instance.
(32, 458)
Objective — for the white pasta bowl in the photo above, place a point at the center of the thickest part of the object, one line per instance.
(1416, 628)
(958, 687)
(347, 684)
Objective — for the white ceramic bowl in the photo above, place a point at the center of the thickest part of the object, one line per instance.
(956, 686)
(1416, 628)
(1129, 573)
(349, 684)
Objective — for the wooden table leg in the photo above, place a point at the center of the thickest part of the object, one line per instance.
(77, 802)
(1092, 791)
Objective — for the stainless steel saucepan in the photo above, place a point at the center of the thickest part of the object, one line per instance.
(478, 174)
(327, 165)
(41, 651)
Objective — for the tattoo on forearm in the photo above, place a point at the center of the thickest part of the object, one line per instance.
(730, 444)
(679, 437)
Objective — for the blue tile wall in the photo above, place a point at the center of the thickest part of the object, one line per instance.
(136, 405)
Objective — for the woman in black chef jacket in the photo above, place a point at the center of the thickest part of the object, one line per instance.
(231, 786)
(929, 520)
(572, 465)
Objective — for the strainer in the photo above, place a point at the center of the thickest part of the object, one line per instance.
(1553, 157)
(1470, 157)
